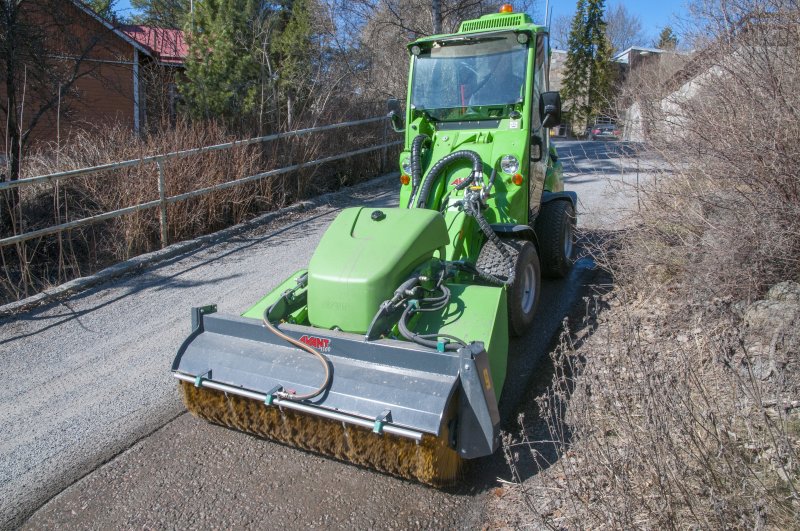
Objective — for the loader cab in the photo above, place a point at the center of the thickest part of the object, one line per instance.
(471, 79)
(480, 90)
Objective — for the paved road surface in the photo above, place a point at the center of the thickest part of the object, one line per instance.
(87, 378)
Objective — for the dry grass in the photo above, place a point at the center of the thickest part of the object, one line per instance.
(681, 411)
(51, 260)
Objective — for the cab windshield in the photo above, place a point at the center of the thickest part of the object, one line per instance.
(470, 78)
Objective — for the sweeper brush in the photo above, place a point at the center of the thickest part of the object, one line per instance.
(431, 461)
(389, 350)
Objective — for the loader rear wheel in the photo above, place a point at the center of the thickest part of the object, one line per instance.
(555, 229)
(523, 293)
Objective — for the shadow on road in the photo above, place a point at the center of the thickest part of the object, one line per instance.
(154, 279)
(531, 369)
(589, 161)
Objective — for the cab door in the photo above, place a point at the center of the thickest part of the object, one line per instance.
(539, 135)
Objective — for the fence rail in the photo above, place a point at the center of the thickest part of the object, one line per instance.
(164, 200)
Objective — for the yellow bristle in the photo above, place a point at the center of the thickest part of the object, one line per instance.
(431, 461)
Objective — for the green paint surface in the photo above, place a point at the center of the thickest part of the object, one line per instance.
(360, 261)
(475, 313)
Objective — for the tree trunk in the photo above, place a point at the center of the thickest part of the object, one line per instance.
(436, 16)
(10, 197)
(289, 110)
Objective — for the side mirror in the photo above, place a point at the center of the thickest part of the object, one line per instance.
(395, 116)
(536, 148)
(550, 109)
(393, 104)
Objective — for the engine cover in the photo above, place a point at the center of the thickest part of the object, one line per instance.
(365, 254)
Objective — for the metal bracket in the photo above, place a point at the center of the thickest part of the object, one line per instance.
(381, 420)
(198, 380)
(198, 312)
(271, 394)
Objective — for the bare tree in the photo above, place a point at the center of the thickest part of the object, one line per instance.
(378, 31)
(559, 31)
(43, 53)
(623, 29)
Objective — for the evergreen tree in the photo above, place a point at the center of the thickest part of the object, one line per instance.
(221, 70)
(589, 71)
(576, 69)
(248, 60)
(601, 69)
(292, 50)
(667, 40)
(161, 13)
(104, 8)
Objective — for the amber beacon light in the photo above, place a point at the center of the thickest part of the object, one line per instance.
(506, 8)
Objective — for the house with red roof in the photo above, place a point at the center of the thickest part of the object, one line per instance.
(127, 73)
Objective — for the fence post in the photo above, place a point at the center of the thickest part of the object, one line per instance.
(163, 206)
(385, 149)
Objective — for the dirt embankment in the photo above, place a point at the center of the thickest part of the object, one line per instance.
(680, 410)
(652, 421)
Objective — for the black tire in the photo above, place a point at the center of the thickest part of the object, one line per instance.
(555, 232)
(523, 293)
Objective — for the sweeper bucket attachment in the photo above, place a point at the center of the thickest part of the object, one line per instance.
(391, 405)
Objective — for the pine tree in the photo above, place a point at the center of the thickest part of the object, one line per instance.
(589, 71)
(601, 70)
(162, 13)
(221, 70)
(667, 40)
(292, 50)
(104, 8)
(576, 69)
(248, 60)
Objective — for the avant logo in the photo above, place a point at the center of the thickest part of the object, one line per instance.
(319, 343)
(458, 181)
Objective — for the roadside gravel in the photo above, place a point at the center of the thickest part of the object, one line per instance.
(90, 385)
(87, 377)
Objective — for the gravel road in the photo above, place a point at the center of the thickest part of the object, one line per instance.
(88, 383)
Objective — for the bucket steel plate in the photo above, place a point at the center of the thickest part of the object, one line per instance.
(368, 378)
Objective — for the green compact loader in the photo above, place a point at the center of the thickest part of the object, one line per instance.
(390, 350)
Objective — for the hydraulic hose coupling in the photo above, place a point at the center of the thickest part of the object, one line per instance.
(436, 170)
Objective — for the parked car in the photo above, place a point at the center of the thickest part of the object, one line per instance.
(606, 132)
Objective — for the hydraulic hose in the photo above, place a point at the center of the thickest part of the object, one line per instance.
(425, 340)
(325, 363)
(416, 164)
(433, 174)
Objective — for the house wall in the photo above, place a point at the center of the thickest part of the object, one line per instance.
(558, 59)
(101, 97)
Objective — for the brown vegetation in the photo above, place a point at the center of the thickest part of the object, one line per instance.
(38, 264)
(682, 409)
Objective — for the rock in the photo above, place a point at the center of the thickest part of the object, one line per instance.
(739, 307)
(785, 291)
(772, 335)
(768, 315)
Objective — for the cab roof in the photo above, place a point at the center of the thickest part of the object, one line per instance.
(487, 24)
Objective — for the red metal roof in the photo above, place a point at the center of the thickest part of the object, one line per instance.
(167, 45)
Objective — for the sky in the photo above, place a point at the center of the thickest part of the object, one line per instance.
(653, 14)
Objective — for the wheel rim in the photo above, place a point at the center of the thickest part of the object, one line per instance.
(568, 239)
(528, 288)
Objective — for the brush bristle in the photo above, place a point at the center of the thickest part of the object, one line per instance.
(431, 461)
